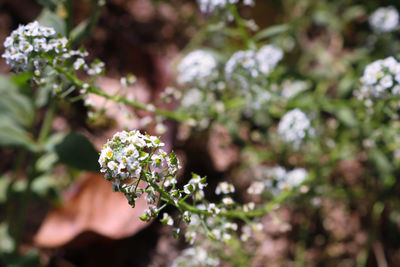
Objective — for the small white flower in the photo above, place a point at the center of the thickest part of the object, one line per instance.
(228, 201)
(211, 6)
(249, 206)
(296, 177)
(79, 63)
(213, 209)
(167, 219)
(267, 57)
(384, 19)
(256, 188)
(379, 79)
(197, 66)
(190, 237)
(294, 127)
(224, 188)
(192, 97)
(216, 234)
(257, 227)
(230, 226)
(189, 189)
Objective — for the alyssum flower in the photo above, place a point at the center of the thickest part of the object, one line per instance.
(381, 79)
(131, 157)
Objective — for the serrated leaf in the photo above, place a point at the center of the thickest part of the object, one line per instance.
(76, 151)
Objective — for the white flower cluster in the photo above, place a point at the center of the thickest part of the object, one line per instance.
(197, 67)
(195, 187)
(291, 89)
(384, 19)
(381, 79)
(249, 230)
(277, 179)
(246, 65)
(294, 127)
(29, 41)
(224, 188)
(210, 6)
(32, 47)
(221, 229)
(193, 257)
(130, 156)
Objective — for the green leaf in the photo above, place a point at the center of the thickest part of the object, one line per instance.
(50, 19)
(21, 79)
(7, 84)
(271, 31)
(6, 241)
(381, 162)
(354, 12)
(50, 4)
(76, 151)
(17, 106)
(47, 161)
(13, 103)
(11, 134)
(346, 116)
(29, 259)
(43, 184)
(85, 28)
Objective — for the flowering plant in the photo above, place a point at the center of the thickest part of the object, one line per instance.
(297, 108)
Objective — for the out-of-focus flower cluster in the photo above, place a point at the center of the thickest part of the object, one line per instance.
(247, 67)
(275, 180)
(384, 19)
(197, 67)
(294, 127)
(192, 257)
(381, 79)
(206, 82)
(213, 6)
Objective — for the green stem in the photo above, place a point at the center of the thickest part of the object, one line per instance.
(241, 27)
(91, 23)
(92, 89)
(69, 19)
(239, 214)
(48, 120)
(33, 173)
(24, 205)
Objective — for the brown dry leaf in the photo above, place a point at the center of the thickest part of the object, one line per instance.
(90, 205)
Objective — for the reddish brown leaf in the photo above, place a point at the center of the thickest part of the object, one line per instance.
(90, 205)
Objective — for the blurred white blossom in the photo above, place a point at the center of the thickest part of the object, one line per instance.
(384, 19)
(294, 127)
(196, 67)
(210, 6)
(381, 78)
